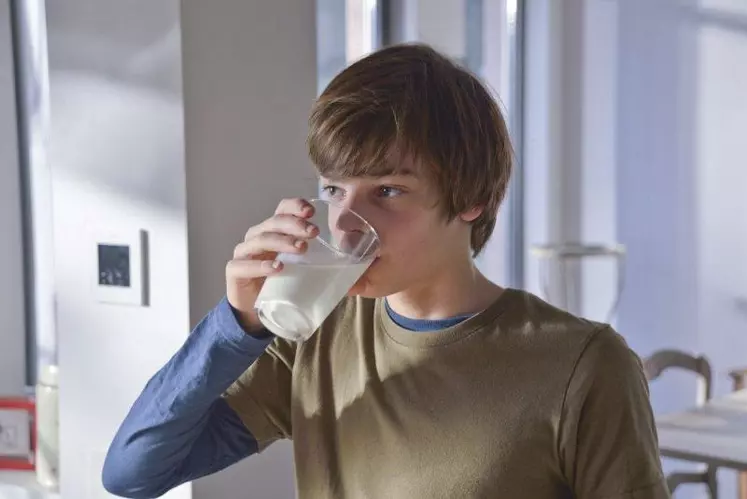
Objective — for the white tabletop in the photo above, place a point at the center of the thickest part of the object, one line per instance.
(715, 433)
(22, 485)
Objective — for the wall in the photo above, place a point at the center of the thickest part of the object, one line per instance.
(116, 151)
(681, 184)
(676, 153)
(658, 65)
(720, 178)
(444, 25)
(330, 45)
(12, 323)
(661, 170)
(476, 34)
(116, 148)
(552, 138)
(250, 80)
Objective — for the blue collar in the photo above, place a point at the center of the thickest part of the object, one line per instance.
(423, 325)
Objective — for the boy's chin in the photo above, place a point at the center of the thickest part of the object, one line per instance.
(365, 290)
(369, 284)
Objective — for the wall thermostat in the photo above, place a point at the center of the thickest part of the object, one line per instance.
(122, 272)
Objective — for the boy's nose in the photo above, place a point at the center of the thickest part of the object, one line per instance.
(347, 221)
(350, 233)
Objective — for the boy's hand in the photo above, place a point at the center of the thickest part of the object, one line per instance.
(254, 258)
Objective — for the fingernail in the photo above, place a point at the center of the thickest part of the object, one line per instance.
(310, 229)
(299, 244)
(271, 264)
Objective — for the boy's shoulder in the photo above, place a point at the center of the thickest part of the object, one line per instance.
(545, 326)
(580, 352)
(517, 319)
(531, 316)
(520, 343)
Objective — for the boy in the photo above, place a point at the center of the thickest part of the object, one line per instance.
(428, 381)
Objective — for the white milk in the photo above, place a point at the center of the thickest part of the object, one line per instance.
(295, 302)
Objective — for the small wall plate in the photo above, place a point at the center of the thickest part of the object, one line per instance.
(120, 262)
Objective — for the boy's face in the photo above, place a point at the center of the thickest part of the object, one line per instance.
(416, 240)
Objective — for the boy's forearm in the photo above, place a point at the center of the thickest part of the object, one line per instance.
(154, 443)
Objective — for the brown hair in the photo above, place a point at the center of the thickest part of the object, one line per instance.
(413, 99)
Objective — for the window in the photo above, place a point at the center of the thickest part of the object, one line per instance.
(486, 37)
(346, 30)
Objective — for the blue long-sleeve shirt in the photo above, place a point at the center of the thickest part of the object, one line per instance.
(180, 428)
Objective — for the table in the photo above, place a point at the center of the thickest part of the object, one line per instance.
(22, 485)
(715, 433)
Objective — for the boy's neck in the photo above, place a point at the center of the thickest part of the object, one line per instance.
(461, 290)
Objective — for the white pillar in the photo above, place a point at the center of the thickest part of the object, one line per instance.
(116, 155)
(443, 24)
(12, 323)
(249, 83)
(552, 134)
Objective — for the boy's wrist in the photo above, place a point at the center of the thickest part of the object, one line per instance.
(250, 324)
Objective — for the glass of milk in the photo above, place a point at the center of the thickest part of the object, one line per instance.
(293, 303)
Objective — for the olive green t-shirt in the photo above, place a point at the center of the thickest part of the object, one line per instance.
(519, 401)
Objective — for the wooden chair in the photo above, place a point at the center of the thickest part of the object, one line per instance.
(739, 382)
(654, 366)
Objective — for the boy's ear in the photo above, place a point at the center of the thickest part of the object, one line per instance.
(471, 214)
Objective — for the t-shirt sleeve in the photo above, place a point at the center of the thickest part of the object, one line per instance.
(608, 443)
(262, 394)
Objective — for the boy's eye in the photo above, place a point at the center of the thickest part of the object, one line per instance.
(331, 191)
(388, 191)
(385, 191)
